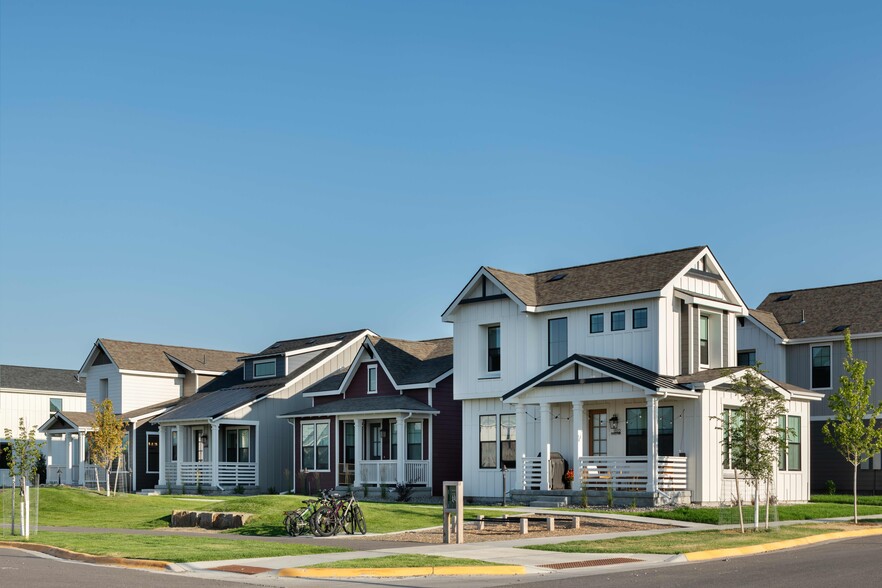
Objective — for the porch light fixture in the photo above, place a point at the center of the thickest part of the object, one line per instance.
(205, 438)
(614, 424)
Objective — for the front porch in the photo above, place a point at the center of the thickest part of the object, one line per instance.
(219, 455)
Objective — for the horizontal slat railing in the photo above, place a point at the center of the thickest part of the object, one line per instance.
(671, 473)
(196, 472)
(618, 473)
(231, 473)
(531, 473)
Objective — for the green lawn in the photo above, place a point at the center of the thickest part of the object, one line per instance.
(171, 548)
(403, 561)
(848, 499)
(685, 542)
(789, 512)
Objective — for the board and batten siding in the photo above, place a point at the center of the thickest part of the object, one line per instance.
(276, 436)
(33, 407)
(799, 367)
(94, 375)
(768, 353)
(141, 391)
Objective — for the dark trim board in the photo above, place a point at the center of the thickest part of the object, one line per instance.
(483, 298)
(598, 380)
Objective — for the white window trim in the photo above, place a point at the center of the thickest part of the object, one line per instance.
(147, 454)
(254, 365)
(486, 336)
(315, 445)
(812, 367)
(250, 439)
(372, 368)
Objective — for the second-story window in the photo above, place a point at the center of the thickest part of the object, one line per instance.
(617, 320)
(494, 349)
(639, 318)
(54, 405)
(597, 323)
(703, 340)
(264, 369)
(821, 366)
(747, 357)
(557, 340)
(372, 379)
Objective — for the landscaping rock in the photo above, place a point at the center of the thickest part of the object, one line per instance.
(210, 520)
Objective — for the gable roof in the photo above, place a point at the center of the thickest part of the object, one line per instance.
(36, 378)
(150, 357)
(68, 420)
(595, 281)
(294, 345)
(230, 391)
(768, 320)
(856, 306)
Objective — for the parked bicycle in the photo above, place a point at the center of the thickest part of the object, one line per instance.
(302, 520)
(344, 513)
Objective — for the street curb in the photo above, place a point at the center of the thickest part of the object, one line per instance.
(778, 545)
(402, 572)
(143, 564)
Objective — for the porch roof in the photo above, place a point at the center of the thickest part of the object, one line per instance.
(68, 422)
(365, 404)
(618, 369)
(209, 405)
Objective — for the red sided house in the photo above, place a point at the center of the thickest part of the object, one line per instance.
(388, 418)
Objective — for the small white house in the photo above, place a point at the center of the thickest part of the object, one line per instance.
(620, 368)
(34, 394)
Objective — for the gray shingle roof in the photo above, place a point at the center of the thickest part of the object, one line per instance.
(149, 357)
(287, 345)
(633, 275)
(330, 383)
(365, 404)
(36, 378)
(230, 391)
(415, 362)
(769, 321)
(858, 306)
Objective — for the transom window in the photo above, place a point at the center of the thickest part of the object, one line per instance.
(372, 379)
(494, 350)
(597, 323)
(315, 446)
(557, 340)
(821, 366)
(639, 318)
(617, 320)
(265, 368)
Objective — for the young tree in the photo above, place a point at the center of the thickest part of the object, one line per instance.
(853, 430)
(106, 437)
(22, 456)
(754, 437)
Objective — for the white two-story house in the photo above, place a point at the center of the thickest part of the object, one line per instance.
(620, 368)
(797, 336)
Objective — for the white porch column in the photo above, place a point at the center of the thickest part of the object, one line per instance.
(545, 442)
(163, 447)
(402, 447)
(520, 444)
(431, 424)
(215, 455)
(652, 443)
(356, 480)
(578, 440)
(68, 442)
(82, 459)
(181, 446)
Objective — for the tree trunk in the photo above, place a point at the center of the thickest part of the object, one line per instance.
(855, 493)
(756, 504)
(768, 500)
(738, 500)
(107, 479)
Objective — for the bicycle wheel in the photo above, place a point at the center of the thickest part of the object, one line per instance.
(290, 524)
(324, 522)
(358, 520)
(348, 522)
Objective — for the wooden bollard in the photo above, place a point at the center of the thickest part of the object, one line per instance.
(480, 522)
(549, 522)
(525, 525)
(576, 520)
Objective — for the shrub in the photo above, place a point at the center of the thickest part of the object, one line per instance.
(404, 491)
(831, 487)
(239, 489)
(271, 490)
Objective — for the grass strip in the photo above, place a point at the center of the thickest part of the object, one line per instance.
(406, 560)
(848, 499)
(171, 548)
(685, 542)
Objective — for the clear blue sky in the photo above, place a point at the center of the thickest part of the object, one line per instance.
(226, 174)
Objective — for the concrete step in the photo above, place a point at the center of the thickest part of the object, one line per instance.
(550, 502)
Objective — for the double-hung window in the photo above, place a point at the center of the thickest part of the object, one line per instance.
(315, 446)
(508, 440)
(821, 366)
(494, 349)
(703, 339)
(557, 340)
(55, 405)
(372, 379)
(636, 434)
(239, 445)
(731, 423)
(747, 358)
(487, 444)
(414, 440)
(790, 452)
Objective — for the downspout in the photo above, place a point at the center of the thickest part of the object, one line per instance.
(293, 489)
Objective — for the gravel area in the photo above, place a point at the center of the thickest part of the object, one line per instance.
(504, 531)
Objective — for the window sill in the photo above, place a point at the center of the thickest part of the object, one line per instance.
(490, 377)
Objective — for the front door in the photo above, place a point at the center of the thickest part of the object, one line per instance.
(376, 450)
(198, 445)
(597, 432)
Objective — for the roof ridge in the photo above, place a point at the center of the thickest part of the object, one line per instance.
(322, 335)
(165, 345)
(534, 274)
(824, 287)
(36, 367)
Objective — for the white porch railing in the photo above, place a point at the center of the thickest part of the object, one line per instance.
(532, 473)
(630, 473)
(386, 472)
(229, 473)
